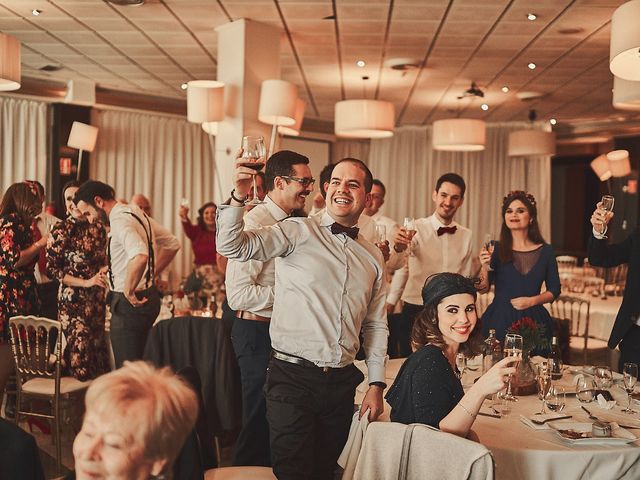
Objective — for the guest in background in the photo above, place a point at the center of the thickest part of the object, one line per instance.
(439, 244)
(18, 253)
(142, 202)
(46, 286)
(521, 262)
(428, 388)
(77, 257)
(137, 419)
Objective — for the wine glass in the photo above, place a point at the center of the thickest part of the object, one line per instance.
(489, 245)
(381, 234)
(461, 364)
(544, 384)
(606, 203)
(512, 348)
(585, 390)
(253, 152)
(184, 202)
(630, 375)
(410, 229)
(556, 399)
(603, 377)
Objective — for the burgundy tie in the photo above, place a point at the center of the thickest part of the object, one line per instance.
(352, 232)
(443, 230)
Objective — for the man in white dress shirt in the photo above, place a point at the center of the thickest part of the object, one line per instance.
(250, 293)
(138, 249)
(329, 287)
(439, 245)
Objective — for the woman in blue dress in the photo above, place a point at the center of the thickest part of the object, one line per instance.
(521, 262)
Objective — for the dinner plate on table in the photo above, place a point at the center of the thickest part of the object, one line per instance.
(579, 433)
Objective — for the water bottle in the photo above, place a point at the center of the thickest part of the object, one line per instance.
(554, 360)
(492, 351)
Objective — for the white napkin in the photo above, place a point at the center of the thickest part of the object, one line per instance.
(604, 404)
(546, 416)
(530, 424)
(618, 432)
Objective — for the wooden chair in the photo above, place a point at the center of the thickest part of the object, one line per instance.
(36, 343)
(576, 310)
(567, 262)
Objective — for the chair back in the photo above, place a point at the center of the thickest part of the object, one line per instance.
(577, 311)
(483, 301)
(394, 451)
(566, 262)
(36, 343)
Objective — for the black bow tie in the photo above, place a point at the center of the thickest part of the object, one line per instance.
(352, 232)
(443, 230)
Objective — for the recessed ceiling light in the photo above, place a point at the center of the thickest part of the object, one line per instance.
(553, 121)
(532, 66)
(361, 63)
(531, 16)
(484, 107)
(127, 3)
(505, 89)
(35, 12)
(183, 86)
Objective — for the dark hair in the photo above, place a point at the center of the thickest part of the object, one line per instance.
(425, 327)
(89, 190)
(69, 184)
(21, 200)
(201, 214)
(325, 177)
(261, 175)
(505, 249)
(381, 185)
(368, 176)
(39, 188)
(281, 164)
(454, 178)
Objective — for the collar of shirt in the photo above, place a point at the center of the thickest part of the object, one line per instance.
(275, 211)
(436, 224)
(327, 220)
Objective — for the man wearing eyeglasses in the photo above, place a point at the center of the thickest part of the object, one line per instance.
(329, 287)
(250, 293)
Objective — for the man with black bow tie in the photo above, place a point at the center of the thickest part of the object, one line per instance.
(329, 287)
(439, 245)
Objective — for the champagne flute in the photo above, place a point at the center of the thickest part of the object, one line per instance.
(585, 390)
(253, 152)
(606, 203)
(461, 364)
(184, 202)
(544, 384)
(604, 377)
(489, 245)
(381, 234)
(410, 229)
(512, 348)
(630, 375)
(556, 399)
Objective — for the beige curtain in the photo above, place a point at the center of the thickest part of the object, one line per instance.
(23, 141)
(163, 157)
(350, 148)
(409, 167)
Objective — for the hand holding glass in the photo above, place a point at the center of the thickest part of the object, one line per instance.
(489, 245)
(381, 234)
(410, 230)
(253, 152)
(606, 204)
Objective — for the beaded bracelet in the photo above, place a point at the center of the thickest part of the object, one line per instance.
(237, 199)
(466, 410)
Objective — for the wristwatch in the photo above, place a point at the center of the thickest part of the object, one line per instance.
(382, 385)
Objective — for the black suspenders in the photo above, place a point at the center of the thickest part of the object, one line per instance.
(151, 262)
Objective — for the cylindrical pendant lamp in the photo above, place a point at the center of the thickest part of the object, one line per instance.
(364, 119)
(277, 102)
(83, 137)
(619, 163)
(624, 56)
(459, 135)
(600, 165)
(626, 94)
(205, 101)
(294, 130)
(531, 142)
(9, 63)
(210, 127)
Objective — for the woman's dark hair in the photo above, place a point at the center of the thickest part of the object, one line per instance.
(201, 214)
(20, 199)
(69, 184)
(505, 252)
(425, 327)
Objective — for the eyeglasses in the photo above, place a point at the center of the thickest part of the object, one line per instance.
(305, 182)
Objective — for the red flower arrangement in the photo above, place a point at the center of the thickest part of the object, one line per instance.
(532, 333)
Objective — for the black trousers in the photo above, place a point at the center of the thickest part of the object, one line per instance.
(252, 345)
(309, 413)
(130, 325)
(48, 297)
(400, 326)
(630, 347)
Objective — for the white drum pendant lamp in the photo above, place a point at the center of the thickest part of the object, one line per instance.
(211, 128)
(205, 101)
(83, 137)
(531, 142)
(364, 119)
(600, 166)
(277, 106)
(10, 68)
(626, 94)
(459, 135)
(619, 163)
(294, 130)
(624, 50)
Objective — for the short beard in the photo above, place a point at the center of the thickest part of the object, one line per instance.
(102, 216)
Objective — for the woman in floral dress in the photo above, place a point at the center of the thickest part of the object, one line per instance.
(76, 255)
(18, 254)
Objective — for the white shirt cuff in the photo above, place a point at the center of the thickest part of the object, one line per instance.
(599, 235)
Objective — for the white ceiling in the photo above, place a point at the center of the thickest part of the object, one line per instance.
(154, 48)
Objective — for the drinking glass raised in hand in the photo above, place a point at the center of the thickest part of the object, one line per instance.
(253, 153)
(410, 230)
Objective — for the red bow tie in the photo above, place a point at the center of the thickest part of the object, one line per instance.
(443, 230)
(352, 232)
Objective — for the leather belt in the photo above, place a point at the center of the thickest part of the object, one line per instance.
(285, 357)
(251, 316)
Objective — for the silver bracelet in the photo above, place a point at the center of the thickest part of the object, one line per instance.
(466, 410)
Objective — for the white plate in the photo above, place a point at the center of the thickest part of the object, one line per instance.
(586, 427)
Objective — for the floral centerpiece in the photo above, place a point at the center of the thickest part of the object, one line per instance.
(533, 338)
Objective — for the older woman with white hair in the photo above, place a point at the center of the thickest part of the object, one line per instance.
(137, 419)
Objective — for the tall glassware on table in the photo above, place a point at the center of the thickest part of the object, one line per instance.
(253, 153)
(512, 348)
